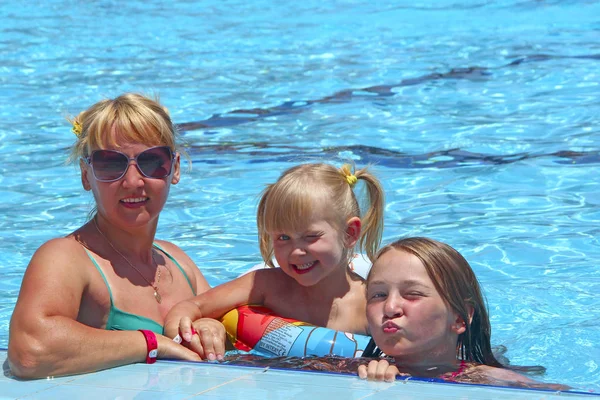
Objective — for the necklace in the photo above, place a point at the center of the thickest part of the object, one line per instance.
(154, 285)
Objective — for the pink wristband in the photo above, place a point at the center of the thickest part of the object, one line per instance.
(151, 345)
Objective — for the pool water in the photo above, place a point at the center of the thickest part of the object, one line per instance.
(481, 118)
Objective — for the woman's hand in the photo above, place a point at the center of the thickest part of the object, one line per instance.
(167, 348)
(378, 370)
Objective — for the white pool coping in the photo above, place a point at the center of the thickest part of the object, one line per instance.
(186, 380)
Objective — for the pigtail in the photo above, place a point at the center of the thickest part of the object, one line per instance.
(264, 241)
(372, 222)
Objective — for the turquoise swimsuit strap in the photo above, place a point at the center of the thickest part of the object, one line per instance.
(102, 275)
(122, 320)
(178, 266)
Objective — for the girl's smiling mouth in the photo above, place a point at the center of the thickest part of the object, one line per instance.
(304, 268)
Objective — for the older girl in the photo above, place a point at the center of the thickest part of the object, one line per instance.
(425, 309)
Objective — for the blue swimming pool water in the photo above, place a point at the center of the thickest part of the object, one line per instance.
(481, 118)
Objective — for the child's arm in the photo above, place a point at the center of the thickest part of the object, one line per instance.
(214, 303)
(505, 376)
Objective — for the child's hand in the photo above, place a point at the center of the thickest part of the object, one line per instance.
(378, 370)
(209, 342)
(179, 321)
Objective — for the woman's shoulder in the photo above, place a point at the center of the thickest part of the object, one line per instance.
(63, 248)
(177, 254)
(61, 257)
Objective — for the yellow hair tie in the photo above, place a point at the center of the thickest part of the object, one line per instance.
(77, 128)
(350, 177)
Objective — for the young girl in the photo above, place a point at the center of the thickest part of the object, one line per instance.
(310, 221)
(425, 309)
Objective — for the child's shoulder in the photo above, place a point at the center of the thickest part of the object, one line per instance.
(501, 374)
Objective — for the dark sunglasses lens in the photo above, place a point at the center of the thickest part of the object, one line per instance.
(156, 162)
(108, 165)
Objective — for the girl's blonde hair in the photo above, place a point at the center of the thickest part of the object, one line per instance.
(307, 188)
(134, 117)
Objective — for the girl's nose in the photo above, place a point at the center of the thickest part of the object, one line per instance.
(393, 306)
(299, 251)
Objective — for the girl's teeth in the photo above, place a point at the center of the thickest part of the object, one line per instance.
(305, 266)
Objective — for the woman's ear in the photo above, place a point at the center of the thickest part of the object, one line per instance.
(85, 181)
(176, 170)
(353, 227)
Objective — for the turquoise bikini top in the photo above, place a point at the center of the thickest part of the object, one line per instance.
(119, 320)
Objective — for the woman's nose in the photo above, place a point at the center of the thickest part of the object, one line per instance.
(133, 177)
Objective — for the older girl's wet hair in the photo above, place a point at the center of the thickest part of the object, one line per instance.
(308, 188)
(457, 284)
(132, 117)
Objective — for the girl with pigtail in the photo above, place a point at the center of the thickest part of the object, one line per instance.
(311, 223)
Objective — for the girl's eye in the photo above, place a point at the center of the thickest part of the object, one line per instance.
(377, 295)
(283, 237)
(413, 295)
(313, 236)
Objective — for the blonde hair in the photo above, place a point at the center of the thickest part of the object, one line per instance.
(306, 188)
(134, 117)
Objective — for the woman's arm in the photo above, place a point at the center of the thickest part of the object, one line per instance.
(45, 338)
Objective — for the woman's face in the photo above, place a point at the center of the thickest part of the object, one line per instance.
(134, 199)
(407, 317)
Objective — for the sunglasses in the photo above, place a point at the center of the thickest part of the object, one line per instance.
(111, 165)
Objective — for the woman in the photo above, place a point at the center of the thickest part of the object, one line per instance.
(85, 296)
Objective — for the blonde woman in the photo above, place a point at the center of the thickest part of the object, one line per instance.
(98, 297)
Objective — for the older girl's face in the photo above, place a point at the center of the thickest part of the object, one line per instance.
(407, 317)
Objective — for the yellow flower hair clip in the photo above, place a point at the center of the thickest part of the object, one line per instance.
(350, 177)
(77, 127)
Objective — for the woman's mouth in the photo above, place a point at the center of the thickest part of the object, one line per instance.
(133, 202)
